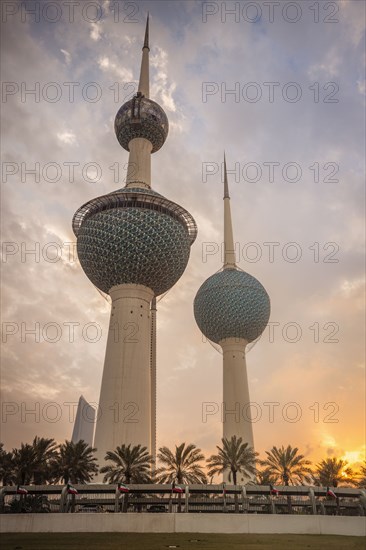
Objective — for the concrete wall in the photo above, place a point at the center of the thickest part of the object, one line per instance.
(182, 523)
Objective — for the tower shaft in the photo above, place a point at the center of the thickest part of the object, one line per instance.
(139, 163)
(153, 378)
(124, 415)
(236, 413)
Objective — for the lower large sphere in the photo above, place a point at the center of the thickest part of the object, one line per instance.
(232, 304)
(133, 245)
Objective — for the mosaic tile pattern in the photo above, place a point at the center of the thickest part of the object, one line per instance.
(133, 245)
(232, 303)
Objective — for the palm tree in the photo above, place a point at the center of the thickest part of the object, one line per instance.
(287, 466)
(74, 463)
(6, 466)
(181, 466)
(235, 457)
(332, 471)
(29, 463)
(129, 465)
(264, 477)
(362, 478)
(45, 452)
(24, 461)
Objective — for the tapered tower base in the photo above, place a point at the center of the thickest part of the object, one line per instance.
(236, 410)
(124, 414)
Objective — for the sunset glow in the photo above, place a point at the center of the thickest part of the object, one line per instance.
(296, 176)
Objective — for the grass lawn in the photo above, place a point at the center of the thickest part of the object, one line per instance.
(184, 541)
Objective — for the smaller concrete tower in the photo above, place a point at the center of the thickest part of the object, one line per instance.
(232, 309)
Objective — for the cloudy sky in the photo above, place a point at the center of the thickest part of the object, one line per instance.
(282, 90)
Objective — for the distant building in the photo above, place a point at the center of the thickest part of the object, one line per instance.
(84, 423)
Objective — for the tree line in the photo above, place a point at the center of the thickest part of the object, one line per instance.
(45, 462)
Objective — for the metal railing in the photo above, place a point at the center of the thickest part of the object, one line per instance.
(242, 499)
(124, 199)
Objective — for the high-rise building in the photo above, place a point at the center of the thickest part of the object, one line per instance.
(84, 422)
(133, 244)
(232, 309)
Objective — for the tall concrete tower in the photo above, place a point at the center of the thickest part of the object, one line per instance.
(133, 244)
(232, 309)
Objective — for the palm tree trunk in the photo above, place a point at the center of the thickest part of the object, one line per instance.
(22, 503)
(289, 503)
(179, 481)
(224, 509)
(73, 503)
(171, 501)
(235, 495)
(125, 502)
(125, 495)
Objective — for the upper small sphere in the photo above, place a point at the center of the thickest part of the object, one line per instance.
(141, 118)
(232, 304)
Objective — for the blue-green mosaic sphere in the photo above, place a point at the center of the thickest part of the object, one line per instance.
(133, 245)
(141, 118)
(232, 304)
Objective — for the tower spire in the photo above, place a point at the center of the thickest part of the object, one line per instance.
(229, 251)
(146, 41)
(144, 86)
